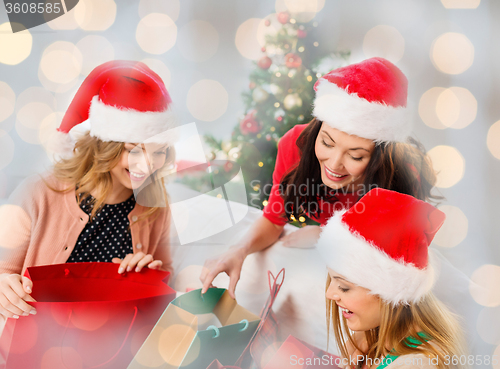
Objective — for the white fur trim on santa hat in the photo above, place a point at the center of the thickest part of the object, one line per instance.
(109, 123)
(60, 144)
(357, 116)
(365, 265)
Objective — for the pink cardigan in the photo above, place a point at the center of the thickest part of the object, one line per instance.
(43, 226)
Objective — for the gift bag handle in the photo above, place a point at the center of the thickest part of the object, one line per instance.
(275, 286)
(217, 331)
(117, 352)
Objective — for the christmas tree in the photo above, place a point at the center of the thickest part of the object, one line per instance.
(280, 95)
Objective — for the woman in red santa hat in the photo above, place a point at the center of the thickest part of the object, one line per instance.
(359, 139)
(378, 291)
(106, 201)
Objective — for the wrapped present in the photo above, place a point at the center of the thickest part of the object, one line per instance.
(182, 337)
(88, 315)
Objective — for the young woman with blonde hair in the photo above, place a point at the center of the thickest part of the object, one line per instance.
(378, 294)
(104, 202)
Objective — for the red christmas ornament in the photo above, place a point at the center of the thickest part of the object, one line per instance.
(249, 124)
(252, 85)
(267, 23)
(283, 17)
(263, 49)
(228, 166)
(279, 119)
(264, 62)
(292, 60)
(301, 33)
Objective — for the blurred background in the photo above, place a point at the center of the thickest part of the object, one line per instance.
(207, 52)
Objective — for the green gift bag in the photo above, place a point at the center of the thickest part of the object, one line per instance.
(180, 339)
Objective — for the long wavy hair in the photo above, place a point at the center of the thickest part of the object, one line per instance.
(88, 170)
(401, 167)
(399, 322)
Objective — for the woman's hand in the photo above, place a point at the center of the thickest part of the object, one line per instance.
(230, 262)
(137, 261)
(303, 238)
(14, 294)
(356, 355)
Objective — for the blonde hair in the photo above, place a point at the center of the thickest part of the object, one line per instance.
(398, 323)
(88, 169)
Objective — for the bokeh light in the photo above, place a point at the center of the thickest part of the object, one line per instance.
(46, 132)
(7, 101)
(61, 314)
(453, 107)
(268, 352)
(198, 41)
(93, 352)
(13, 217)
(461, 4)
(89, 317)
(447, 107)
(493, 139)
(487, 278)
(169, 338)
(456, 107)
(452, 53)
(66, 21)
(207, 100)
(384, 41)
(301, 10)
(488, 322)
(41, 99)
(497, 354)
(169, 7)
(156, 33)
(95, 50)
(246, 39)
(57, 357)
(29, 340)
(35, 94)
(270, 30)
(95, 15)
(3, 185)
(454, 229)
(159, 68)
(138, 338)
(14, 47)
(7, 145)
(61, 63)
(188, 278)
(29, 119)
(449, 165)
(151, 358)
(427, 108)
(59, 88)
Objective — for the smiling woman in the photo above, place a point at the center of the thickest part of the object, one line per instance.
(358, 140)
(104, 200)
(379, 287)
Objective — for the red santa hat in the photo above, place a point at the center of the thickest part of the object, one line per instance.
(367, 99)
(121, 101)
(381, 244)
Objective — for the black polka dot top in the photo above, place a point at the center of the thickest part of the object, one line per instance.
(107, 236)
